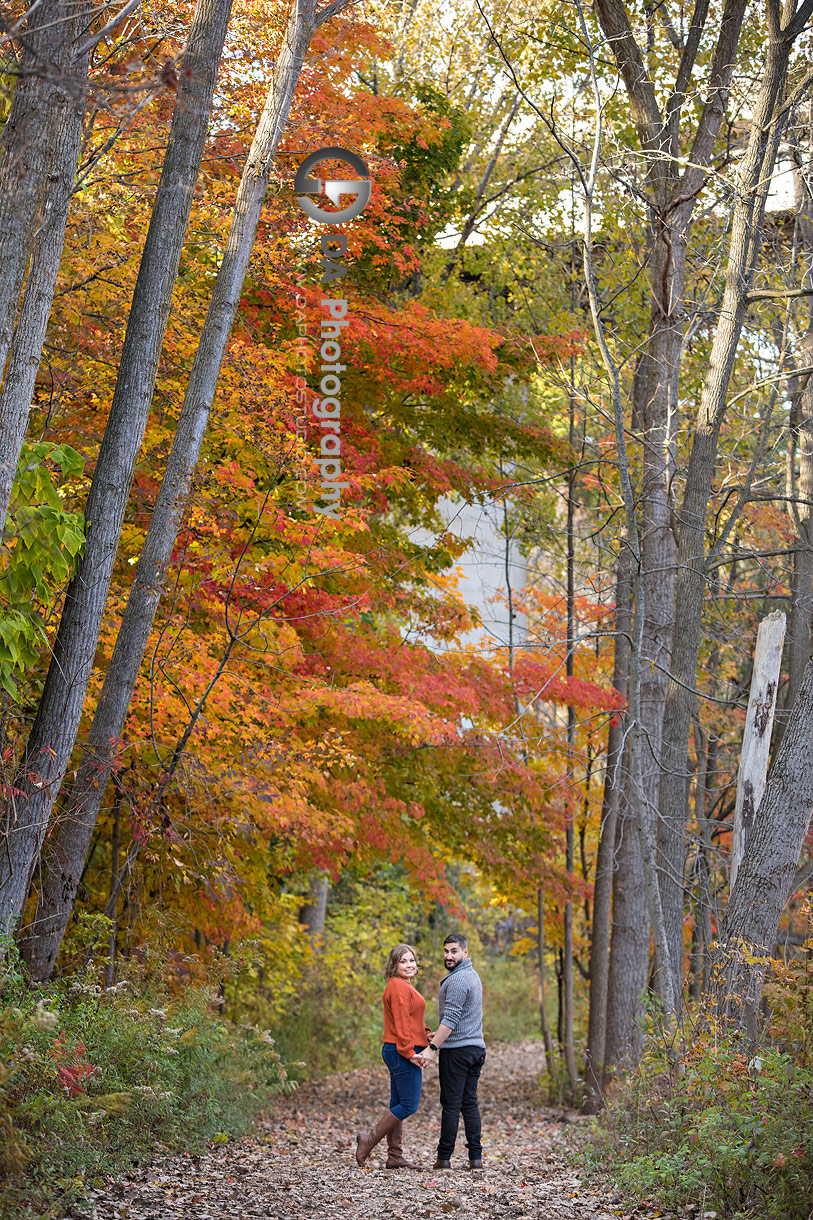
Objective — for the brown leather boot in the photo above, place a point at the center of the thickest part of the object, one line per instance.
(395, 1153)
(366, 1143)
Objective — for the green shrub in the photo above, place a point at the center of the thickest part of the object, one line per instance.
(92, 1080)
(717, 1128)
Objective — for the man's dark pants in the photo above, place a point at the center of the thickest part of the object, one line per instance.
(459, 1070)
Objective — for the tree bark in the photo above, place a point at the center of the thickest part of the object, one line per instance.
(628, 963)
(540, 961)
(672, 197)
(567, 951)
(39, 151)
(45, 37)
(800, 489)
(703, 902)
(764, 879)
(53, 733)
(756, 738)
(83, 806)
(595, 1056)
(313, 913)
(637, 795)
(753, 184)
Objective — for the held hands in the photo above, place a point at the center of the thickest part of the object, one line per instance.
(425, 1057)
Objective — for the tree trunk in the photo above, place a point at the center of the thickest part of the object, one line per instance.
(767, 872)
(108, 722)
(39, 151)
(46, 255)
(672, 197)
(567, 958)
(25, 142)
(628, 962)
(753, 183)
(595, 1057)
(540, 958)
(703, 900)
(560, 1002)
(629, 951)
(314, 912)
(632, 541)
(53, 733)
(800, 489)
(756, 738)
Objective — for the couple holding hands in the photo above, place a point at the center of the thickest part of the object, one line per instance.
(409, 1046)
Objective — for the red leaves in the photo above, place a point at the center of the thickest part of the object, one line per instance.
(546, 683)
(73, 1070)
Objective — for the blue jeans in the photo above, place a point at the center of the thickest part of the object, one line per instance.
(405, 1081)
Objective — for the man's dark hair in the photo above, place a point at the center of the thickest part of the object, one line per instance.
(457, 938)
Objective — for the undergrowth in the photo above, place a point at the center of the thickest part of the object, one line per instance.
(727, 1126)
(93, 1079)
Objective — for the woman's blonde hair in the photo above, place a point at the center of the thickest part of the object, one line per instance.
(394, 958)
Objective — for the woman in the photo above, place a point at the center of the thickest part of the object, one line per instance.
(405, 1036)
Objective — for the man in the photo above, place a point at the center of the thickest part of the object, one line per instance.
(461, 1051)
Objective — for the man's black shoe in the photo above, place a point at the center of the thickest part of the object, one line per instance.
(476, 1163)
(441, 1164)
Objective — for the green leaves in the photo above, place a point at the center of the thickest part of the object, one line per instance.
(41, 542)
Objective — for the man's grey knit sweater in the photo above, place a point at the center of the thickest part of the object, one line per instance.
(460, 1003)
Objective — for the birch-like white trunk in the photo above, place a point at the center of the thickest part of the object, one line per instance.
(756, 738)
(767, 871)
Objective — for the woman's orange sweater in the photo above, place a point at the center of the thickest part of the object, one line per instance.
(403, 1017)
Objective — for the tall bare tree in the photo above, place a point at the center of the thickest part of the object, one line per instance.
(53, 733)
(677, 160)
(39, 150)
(596, 1055)
(66, 860)
(775, 99)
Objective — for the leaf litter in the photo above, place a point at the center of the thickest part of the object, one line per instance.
(299, 1163)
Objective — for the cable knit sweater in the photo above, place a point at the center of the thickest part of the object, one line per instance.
(460, 1003)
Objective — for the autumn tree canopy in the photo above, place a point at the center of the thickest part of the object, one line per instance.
(578, 302)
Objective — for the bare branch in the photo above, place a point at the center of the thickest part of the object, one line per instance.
(780, 294)
(795, 26)
(331, 10)
(108, 29)
(643, 103)
(714, 109)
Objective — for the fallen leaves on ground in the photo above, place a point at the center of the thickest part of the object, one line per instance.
(300, 1163)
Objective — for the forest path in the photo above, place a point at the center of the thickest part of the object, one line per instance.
(300, 1164)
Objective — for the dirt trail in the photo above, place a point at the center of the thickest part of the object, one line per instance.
(300, 1162)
